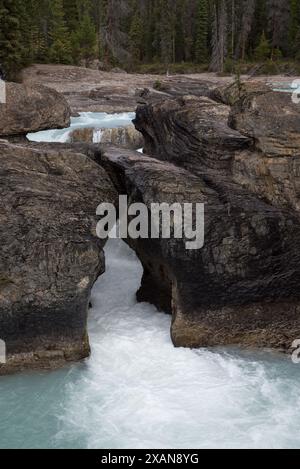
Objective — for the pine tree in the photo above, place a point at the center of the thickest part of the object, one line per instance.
(149, 31)
(85, 40)
(12, 54)
(201, 45)
(167, 32)
(294, 26)
(180, 39)
(264, 50)
(60, 49)
(297, 46)
(71, 11)
(247, 15)
(258, 26)
(136, 36)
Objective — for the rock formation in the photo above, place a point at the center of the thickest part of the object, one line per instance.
(50, 255)
(31, 109)
(125, 137)
(237, 152)
(242, 287)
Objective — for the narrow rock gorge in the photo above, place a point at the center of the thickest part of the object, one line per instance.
(242, 162)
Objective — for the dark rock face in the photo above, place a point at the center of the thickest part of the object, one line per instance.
(192, 132)
(31, 109)
(242, 287)
(50, 255)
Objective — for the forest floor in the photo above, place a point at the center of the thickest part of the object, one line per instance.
(97, 91)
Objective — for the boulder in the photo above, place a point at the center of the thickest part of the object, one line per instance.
(242, 287)
(31, 109)
(50, 255)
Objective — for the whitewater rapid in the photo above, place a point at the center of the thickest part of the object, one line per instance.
(96, 120)
(138, 391)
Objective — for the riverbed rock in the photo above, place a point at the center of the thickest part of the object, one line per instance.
(31, 109)
(50, 256)
(242, 287)
(125, 137)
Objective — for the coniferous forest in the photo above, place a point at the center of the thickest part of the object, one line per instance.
(127, 33)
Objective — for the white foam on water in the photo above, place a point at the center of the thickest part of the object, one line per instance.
(97, 136)
(84, 120)
(138, 391)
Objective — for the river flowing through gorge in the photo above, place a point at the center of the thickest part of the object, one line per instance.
(137, 390)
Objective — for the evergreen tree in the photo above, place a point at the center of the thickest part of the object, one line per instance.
(123, 32)
(297, 46)
(264, 49)
(136, 35)
(71, 10)
(201, 45)
(167, 32)
(294, 26)
(149, 32)
(180, 40)
(12, 54)
(258, 26)
(85, 40)
(60, 49)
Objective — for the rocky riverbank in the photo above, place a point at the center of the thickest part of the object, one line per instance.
(98, 91)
